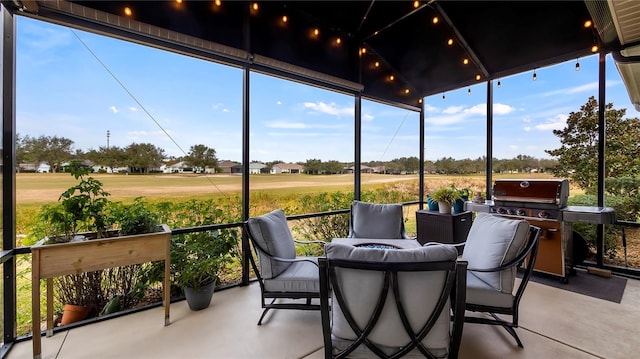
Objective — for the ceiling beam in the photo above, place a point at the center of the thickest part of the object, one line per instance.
(462, 41)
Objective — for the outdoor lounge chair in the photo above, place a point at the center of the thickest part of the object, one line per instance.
(281, 274)
(391, 302)
(495, 248)
(376, 221)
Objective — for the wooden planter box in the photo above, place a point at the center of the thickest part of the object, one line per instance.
(53, 260)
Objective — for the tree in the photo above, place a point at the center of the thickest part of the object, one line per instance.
(142, 157)
(201, 156)
(52, 150)
(578, 153)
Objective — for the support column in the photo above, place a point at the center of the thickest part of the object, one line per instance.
(489, 164)
(357, 176)
(421, 166)
(602, 134)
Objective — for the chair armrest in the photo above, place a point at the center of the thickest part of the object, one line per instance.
(309, 242)
(298, 259)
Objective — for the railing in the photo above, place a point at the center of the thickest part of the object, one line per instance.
(631, 272)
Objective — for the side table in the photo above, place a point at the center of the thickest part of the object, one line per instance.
(434, 226)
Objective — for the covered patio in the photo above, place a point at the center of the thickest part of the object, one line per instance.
(480, 42)
(554, 323)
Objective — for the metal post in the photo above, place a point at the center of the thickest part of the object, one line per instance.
(246, 76)
(357, 176)
(489, 164)
(8, 170)
(601, 153)
(421, 155)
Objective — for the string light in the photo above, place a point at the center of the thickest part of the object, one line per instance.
(179, 1)
(285, 18)
(316, 32)
(376, 64)
(127, 11)
(450, 42)
(465, 61)
(435, 20)
(443, 97)
(416, 3)
(469, 91)
(499, 84)
(391, 77)
(419, 100)
(406, 91)
(577, 65)
(255, 6)
(594, 48)
(535, 77)
(338, 41)
(218, 2)
(478, 77)
(588, 23)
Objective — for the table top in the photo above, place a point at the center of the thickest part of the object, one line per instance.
(394, 243)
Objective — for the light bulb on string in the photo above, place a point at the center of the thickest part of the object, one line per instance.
(535, 77)
(499, 84)
(469, 91)
(577, 65)
(443, 97)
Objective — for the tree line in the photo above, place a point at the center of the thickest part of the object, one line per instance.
(137, 157)
(576, 158)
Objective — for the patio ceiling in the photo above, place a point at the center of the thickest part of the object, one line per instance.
(378, 39)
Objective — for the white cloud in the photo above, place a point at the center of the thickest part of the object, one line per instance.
(453, 110)
(526, 119)
(226, 110)
(367, 117)
(527, 128)
(114, 109)
(133, 109)
(278, 102)
(502, 109)
(513, 147)
(329, 109)
(556, 123)
(429, 108)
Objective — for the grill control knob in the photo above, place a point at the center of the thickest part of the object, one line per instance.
(543, 214)
(493, 210)
(501, 210)
(511, 212)
(520, 212)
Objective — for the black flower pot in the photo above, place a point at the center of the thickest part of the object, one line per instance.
(199, 299)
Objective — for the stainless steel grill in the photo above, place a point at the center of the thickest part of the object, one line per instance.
(543, 203)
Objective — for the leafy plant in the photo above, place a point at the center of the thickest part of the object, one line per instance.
(446, 194)
(200, 258)
(80, 207)
(135, 218)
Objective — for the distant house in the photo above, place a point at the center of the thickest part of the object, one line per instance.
(363, 169)
(224, 167)
(255, 168)
(179, 167)
(286, 168)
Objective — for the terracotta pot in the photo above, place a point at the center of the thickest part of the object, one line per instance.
(74, 313)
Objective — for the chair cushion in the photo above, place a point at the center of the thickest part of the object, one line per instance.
(491, 242)
(370, 220)
(481, 293)
(419, 292)
(301, 276)
(271, 232)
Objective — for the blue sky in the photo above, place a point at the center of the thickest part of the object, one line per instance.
(80, 85)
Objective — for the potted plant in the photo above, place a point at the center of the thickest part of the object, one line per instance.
(198, 260)
(445, 196)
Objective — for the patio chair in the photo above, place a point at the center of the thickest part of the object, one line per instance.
(391, 302)
(495, 248)
(376, 221)
(283, 277)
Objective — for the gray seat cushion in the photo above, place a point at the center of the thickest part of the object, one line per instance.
(300, 276)
(369, 220)
(271, 232)
(492, 241)
(419, 292)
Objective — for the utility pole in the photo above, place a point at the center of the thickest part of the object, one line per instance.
(108, 134)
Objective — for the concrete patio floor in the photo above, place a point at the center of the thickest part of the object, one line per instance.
(554, 323)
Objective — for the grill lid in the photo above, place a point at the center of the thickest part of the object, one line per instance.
(548, 193)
